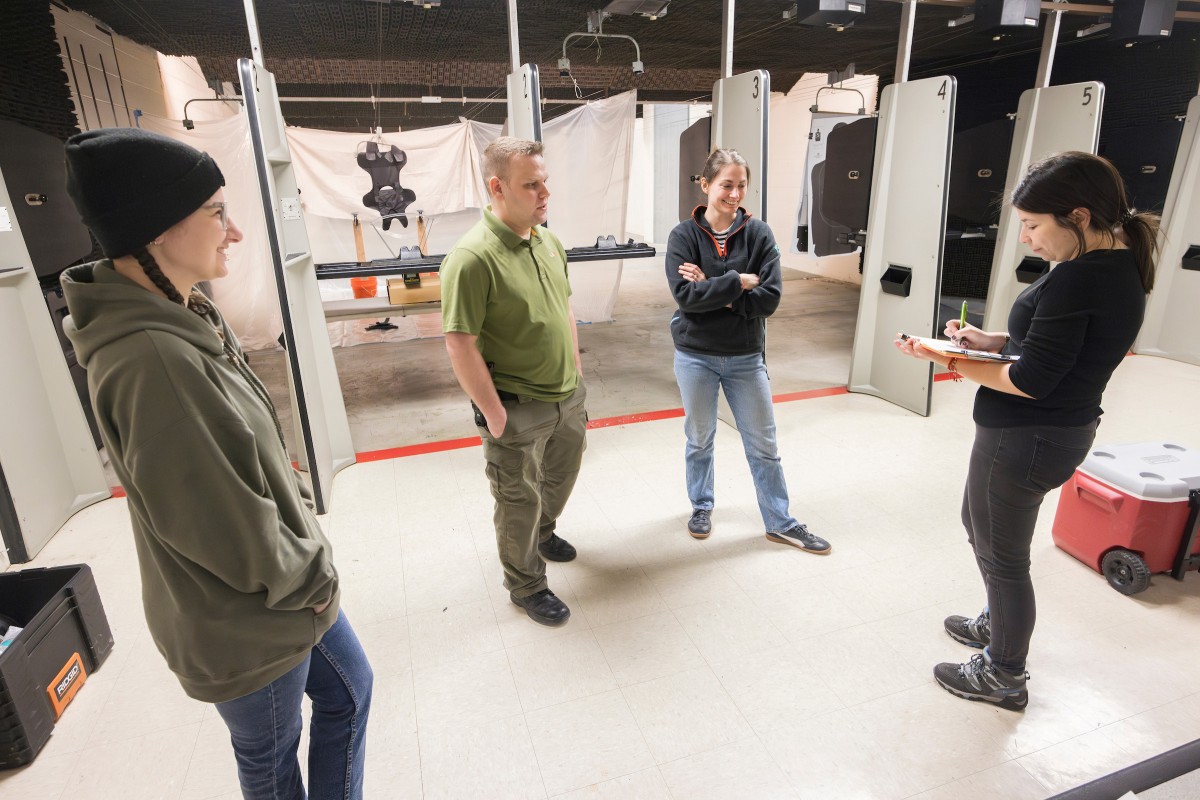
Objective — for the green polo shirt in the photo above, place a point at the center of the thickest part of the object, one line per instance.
(513, 294)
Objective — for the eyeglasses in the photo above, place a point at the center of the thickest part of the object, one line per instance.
(223, 212)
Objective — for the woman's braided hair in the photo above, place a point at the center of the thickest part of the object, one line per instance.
(197, 302)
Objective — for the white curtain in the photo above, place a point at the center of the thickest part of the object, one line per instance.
(247, 296)
(588, 156)
(442, 170)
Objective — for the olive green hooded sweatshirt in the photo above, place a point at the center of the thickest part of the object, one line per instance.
(232, 559)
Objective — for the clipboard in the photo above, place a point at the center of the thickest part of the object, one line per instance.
(951, 349)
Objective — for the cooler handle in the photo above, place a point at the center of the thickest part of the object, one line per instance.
(1097, 493)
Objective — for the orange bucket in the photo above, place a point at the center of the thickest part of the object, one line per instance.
(364, 287)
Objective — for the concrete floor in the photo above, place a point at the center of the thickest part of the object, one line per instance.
(403, 393)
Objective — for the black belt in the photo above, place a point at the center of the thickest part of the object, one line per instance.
(507, 395)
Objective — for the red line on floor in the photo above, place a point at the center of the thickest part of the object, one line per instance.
(420, 449)
(605, 422)
(629, 419)
(810, 394)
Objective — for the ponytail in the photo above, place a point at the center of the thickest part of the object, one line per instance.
(1142, 230)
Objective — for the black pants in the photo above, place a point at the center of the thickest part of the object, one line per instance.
(1011, 470)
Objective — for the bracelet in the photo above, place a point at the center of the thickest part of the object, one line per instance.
(952, 368)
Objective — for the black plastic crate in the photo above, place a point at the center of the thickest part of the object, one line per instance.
(65, 638)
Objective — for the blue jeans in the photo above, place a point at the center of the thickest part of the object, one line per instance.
(748, 390)
(265, 725)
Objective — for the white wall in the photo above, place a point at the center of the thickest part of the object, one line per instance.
(790, 121)
(654, 178)
(639, 218)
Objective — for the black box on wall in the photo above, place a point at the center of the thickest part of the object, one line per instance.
(992, 14)
(1144, 20)
(816, 13)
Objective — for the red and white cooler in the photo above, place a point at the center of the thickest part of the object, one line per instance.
(1131, 510)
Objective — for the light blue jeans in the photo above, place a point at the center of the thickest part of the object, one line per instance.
(748, 390)
(265, 725)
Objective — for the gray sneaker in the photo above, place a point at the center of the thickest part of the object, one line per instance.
(801, 538)
(700, 525)
(971, 632)
(979, 679)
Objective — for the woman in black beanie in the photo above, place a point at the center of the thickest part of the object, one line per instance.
(240, 594)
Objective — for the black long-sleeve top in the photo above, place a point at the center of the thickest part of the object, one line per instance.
(704, 324)
(1071, 327)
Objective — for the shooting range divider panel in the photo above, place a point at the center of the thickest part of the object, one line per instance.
(1172, 327)
(902, 265)
(693, 152)
(322, 429)
(1049, 121)
(49, 467)
(740, 108)
(525, 103)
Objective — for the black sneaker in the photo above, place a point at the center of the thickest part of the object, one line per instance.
(801, 538)
(979, 679)
(543, 607)
(971, 632)
(557, 548)
(700, 525)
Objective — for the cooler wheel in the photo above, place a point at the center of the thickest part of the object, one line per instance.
(1126, 572)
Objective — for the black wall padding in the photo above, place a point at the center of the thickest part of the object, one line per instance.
(33, 85)
(1145, 156)
(978, 168)
(967, 267)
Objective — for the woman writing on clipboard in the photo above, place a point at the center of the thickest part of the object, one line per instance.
(1036, 418)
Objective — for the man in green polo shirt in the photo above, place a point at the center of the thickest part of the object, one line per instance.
(511, 336)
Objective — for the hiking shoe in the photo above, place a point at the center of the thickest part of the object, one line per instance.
(801, 538)
(557, 548)
(543, 607)
(978, 679)
(971, 632)
(700, 525)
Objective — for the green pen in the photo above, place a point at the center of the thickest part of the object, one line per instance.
(962, 320)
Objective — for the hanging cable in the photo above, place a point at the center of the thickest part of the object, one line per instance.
(378, 88)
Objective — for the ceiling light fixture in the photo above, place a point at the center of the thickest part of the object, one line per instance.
(652, 9)
(1090, 29)
(190, 124)
(595, 30)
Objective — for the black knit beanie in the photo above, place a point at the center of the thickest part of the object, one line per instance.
(129, 185)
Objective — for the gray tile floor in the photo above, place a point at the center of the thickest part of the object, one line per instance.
(721, 669)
